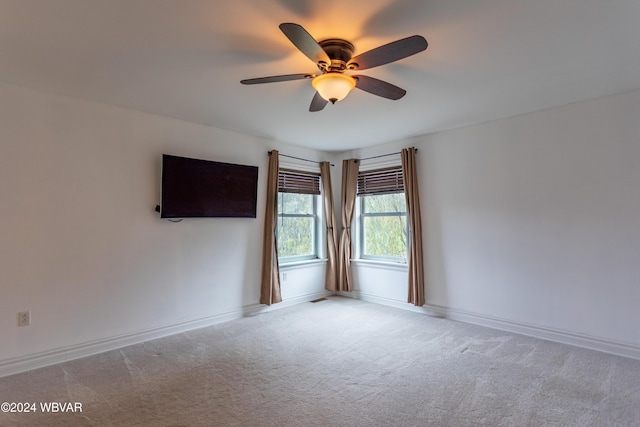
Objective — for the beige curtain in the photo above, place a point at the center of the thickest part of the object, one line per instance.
(348, 198)
(416, 268)
(270, 287)
(331, 280)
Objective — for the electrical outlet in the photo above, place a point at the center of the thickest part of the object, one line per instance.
(24, 318)
(284, 277)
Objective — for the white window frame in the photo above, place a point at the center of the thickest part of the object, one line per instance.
(361, 235)
(318, 229)
(361, 215)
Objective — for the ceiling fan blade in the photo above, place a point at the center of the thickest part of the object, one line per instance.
(273, 79)
(305, 42)
(317, 103)
(379, 87)
(387, 53)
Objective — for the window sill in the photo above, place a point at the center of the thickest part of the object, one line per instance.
(386, 265)
(301, 264)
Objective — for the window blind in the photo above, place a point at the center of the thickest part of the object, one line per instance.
(298, 182)
(380, 181)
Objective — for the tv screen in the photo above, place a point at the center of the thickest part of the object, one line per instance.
(193, 188)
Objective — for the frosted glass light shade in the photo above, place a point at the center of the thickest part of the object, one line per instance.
(333, 86)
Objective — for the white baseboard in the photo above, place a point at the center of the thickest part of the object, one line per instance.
(64, 354)
(550, 334)
(255, 309)
(59, 355)
(430, 309)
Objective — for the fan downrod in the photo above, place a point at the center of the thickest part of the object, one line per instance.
(340, 52)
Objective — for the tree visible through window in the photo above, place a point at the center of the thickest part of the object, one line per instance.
(384, 226)
(296, 225)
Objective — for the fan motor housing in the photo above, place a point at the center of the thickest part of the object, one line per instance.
(339, 51)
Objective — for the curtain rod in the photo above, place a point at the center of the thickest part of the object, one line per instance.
(383, 155)
(299, 158)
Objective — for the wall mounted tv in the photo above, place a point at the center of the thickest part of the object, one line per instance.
(193, 188)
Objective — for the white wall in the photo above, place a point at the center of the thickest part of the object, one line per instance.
(534, 222)
(530, 222)
(82, 247)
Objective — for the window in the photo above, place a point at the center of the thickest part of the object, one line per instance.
(298, 216)
(383, 228)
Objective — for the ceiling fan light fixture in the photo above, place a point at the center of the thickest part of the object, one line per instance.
(334, 86)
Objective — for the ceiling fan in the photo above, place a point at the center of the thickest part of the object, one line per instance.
(335, 56)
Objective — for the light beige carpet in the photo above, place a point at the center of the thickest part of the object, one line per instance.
(339, 362)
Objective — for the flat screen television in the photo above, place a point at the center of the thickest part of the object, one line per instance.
(194, 188)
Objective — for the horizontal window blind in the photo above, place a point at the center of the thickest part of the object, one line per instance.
(290, 181)
(380, 181)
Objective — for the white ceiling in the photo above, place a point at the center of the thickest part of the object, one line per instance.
(487, 59)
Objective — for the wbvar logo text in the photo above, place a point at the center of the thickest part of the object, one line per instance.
(60, 407)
